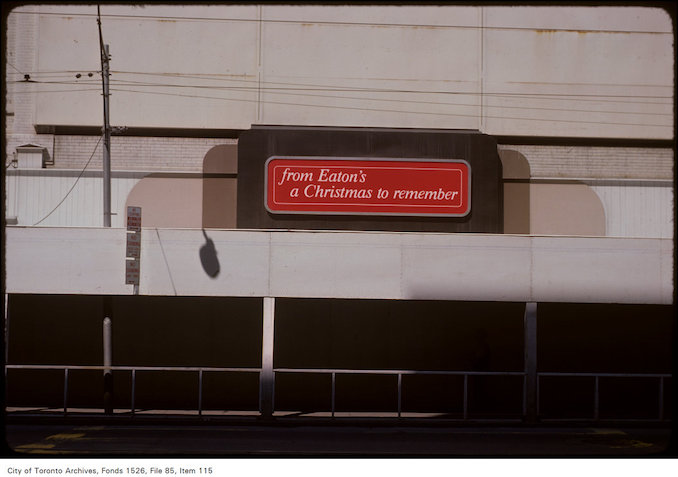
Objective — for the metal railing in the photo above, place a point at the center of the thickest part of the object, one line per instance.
(334, 372)
(596, 388)
(133, 370)
(401, 373)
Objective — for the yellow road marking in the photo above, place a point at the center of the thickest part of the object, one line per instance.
(37, 445)
(608, 431)
(63, 437)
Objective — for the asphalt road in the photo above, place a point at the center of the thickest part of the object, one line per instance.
(330, 441)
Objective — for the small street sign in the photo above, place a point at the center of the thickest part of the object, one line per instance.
(132, 272)
(133, 248)
(134, 219)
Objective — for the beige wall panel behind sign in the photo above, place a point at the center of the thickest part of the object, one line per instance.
(578, 77)
(372, 67)
(516, 208)
(172, 65)
(516, 173)
(220, 187)
(168, 201)
(565, 209)
(68, 43)
(219, 203)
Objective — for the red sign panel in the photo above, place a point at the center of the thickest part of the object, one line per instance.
(328, 185)
(134, 218)
(132, 272)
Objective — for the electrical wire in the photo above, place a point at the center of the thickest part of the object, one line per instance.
(346, 23)
(57, 91)
(384, 100)
(255, 85)
(306, 92)
(590, 97)
(285, 91)
(74, 184)
(390, 110)
(331, 88)
(239, 78)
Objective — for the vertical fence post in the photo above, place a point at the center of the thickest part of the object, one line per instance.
(266, 378)
(200, 393)
(661, 398)
(538, 395)
(400, 393)
(596, 399)
(524, 394)
(334, 384)
(134, 383)
(65, 391)
(530, 326)
(465, 396)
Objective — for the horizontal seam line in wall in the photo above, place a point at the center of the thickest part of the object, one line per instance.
(583, 141)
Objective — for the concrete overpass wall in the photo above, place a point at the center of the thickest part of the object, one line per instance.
(412, 266)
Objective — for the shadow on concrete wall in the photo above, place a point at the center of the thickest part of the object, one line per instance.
(208, 257)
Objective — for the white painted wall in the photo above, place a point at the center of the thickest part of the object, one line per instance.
(551, 71)
(637, 208)
(345, 265)
(33, 194)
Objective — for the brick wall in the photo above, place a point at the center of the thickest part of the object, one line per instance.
(597, 162)
(136, 153)
(21, 50)
(187, 154)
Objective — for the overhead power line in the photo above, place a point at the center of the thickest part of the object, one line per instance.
(345, 23)
(73, 186)
(355, 108)
(317, 93)
(80, 90)
(230, 78)
(318, 87)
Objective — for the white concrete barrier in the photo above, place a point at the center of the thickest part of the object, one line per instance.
(380, 265)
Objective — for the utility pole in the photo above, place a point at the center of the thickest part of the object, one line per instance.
(105, 72)
(107, 304)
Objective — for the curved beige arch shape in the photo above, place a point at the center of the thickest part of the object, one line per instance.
(547, 207)
(191, 200)
(566, 208)
(168, 200)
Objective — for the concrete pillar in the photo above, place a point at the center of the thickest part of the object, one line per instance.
(267, 378)
(108, 354)
(6, 329)
(108, 361)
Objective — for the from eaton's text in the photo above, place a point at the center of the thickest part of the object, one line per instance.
(328, 184)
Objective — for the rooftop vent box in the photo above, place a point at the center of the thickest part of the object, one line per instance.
(30, 156)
